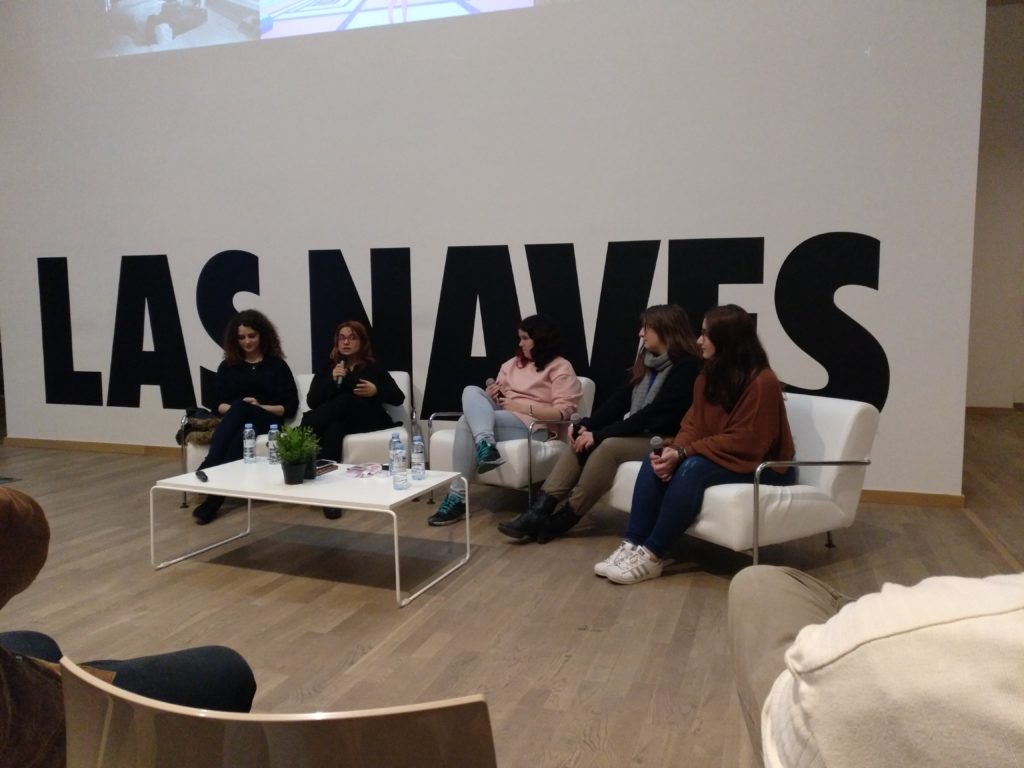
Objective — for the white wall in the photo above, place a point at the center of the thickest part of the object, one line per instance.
(581, 122)
(996, 359)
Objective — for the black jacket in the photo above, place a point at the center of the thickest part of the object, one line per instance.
(660, 417)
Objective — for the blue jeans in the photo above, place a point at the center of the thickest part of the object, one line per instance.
(208, 677)
(482, 419)
(662, 511)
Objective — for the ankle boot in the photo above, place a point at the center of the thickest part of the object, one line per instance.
(555, 525)
(527, 524)
(207, 511)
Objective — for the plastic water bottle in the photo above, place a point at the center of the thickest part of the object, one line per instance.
(249, 444)
(419, 459)
(272, 436)
(393, 443)
(400, 469)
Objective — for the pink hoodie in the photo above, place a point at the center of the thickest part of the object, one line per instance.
(556, 385)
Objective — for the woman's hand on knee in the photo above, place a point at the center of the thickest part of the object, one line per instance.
(664, 464)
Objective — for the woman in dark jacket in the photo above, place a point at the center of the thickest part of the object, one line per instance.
(349, 392)
(652, 402)
(254, 385)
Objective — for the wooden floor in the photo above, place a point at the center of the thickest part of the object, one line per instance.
(577, 671)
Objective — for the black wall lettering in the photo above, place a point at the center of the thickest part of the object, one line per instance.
(625, 293)
(64, 385)
(333, 298)
(391, 288)
(556, 293)
(224, 275)
(805, 301)
(481, 272)
(696, 268)
(145, 281)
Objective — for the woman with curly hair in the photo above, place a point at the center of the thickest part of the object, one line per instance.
(254, 385)
(537, 383)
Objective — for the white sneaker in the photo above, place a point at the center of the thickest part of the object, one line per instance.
(601, 569)
(639, 565)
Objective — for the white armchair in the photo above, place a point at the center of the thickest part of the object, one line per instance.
(527, 461)
(833, 440)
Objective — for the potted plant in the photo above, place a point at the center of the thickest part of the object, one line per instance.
(297, 447)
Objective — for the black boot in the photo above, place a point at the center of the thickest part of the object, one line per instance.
(527, 525)
(555, 525)
(207, 511)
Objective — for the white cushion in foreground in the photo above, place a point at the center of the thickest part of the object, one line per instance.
(929, 675)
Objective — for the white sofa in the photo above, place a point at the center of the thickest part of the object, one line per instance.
(833, 440)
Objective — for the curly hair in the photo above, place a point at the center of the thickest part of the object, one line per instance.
(672, 325)
(739, 355)
(547, 340)
(270, 342)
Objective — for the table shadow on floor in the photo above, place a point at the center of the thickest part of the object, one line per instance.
(344, 556)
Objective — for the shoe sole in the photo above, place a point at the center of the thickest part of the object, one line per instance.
(626, 582)
(487, 466)
(517, 535)
(438, 523)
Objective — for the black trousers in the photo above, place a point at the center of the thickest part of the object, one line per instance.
(207, 677)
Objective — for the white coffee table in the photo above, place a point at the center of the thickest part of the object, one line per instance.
(262, 481)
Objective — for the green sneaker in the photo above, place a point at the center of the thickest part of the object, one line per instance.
(487, 457)
(452, 510)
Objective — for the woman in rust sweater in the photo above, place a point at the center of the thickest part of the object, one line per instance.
(737, 420)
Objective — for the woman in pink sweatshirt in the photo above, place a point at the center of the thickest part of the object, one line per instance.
(538, 383)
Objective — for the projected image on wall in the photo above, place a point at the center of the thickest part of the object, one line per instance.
(286, 18)
(146, 26)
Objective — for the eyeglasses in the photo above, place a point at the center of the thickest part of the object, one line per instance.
(344, 337)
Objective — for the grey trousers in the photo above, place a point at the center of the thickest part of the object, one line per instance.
(768, 606)
(583, 486)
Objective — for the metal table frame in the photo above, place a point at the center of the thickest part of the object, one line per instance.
(263, 482)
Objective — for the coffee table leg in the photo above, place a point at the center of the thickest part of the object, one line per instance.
(165, 563)
(398, 586)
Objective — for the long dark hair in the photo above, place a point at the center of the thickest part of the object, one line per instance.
(671, 323)
(270, 342)
(739, 355)
(547, 340)
(365, 346)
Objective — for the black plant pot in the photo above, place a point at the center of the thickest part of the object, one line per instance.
(293, 473)
(310, 469)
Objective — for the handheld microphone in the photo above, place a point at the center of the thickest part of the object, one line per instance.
(657, 443)
(337, 381)
(202, 475)
(575, 420)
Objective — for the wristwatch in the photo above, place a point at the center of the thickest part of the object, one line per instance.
(680, 453)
